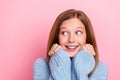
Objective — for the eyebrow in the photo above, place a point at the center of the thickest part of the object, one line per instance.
(76, 28)
(80, 27)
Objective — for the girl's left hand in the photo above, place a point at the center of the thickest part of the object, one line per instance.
(89, 48)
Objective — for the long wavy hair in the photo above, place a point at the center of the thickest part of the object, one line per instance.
(68, 14)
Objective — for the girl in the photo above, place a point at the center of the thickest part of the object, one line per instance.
(72, 52)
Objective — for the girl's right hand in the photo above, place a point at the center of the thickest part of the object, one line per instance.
(53, 49)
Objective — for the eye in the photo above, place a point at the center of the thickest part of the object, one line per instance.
(78, 32)
(64, 33)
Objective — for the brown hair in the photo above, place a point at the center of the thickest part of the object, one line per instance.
(71, 13)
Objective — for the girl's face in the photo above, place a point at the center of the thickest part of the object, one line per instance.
(72, 36)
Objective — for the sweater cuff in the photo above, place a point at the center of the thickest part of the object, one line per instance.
(83, 62)
(60, 66)
(60, 57)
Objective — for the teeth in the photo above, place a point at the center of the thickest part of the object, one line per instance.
(71, 47)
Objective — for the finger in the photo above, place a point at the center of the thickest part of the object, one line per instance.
(53, 49)
(53, 46)
(58, 47)
(92, 50)
(88, 48)
(50, 53)
(84, 47)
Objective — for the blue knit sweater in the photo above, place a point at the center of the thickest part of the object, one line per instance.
(61, 67)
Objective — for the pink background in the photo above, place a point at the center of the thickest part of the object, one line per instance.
(25, 26)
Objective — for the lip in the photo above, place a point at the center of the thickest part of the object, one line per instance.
(71, 48)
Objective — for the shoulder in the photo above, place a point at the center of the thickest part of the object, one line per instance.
(40, 63)
(101, 70)
(102, 67)
(40, 69)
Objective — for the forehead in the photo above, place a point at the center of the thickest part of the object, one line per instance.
(72, 23)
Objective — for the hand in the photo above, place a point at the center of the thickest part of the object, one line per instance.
(89, 48)
(53, 49)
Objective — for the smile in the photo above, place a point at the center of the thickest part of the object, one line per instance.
(71, 47)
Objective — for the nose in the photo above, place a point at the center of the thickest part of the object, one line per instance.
(71, 38)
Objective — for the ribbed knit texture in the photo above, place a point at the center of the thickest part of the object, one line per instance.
(62, 68)
(41, 69)
(101, 72)
(60, 65)
(83, 63)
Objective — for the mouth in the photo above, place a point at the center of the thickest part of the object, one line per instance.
(71, 48)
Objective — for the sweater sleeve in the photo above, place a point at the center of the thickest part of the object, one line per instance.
(101, 72)
(41, 70)
(60, 66)
(83, 63)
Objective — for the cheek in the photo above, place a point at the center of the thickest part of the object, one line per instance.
(82, 40)
(62, 40)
